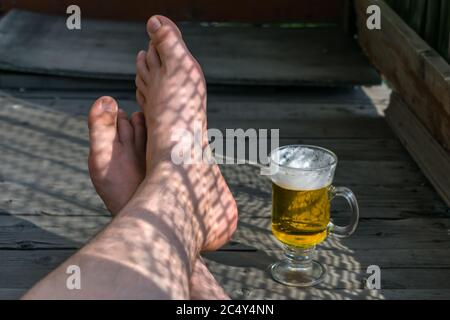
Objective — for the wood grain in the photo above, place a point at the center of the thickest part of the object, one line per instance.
(411, 66)
(272, 56)
(430, 156)
(197, 10)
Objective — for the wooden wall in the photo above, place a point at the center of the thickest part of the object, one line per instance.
(198, 10)
(429, 18)
(419, 111)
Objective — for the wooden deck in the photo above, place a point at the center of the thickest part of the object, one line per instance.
(237, 54)
(48, 207)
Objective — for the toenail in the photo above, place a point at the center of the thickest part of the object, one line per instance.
(154, 24)
(108, 105)
(141, 53)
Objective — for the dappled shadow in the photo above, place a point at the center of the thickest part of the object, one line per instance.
(44, 178)
(32, 246)
(44, 162)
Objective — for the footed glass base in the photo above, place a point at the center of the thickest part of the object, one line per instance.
(298, 269)
(297, 276)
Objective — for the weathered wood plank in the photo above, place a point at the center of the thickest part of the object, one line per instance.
(309, 293)
(246, 279)
(35, 232)
(415, 70)
(429, 155)
(255, 108)
(46, 144)
(244, 55)
(11, 294)
(21, 269)
(362, 294)
(196, 10)
(444, 30)
(35, 198)
(27, 267)
(431, 32)
(353, 101)
(350, 173)
(44, 232)
(311, 119)
(401, 278)
(32, 176)
(375, 202)
(354, 148)
(236, 94)
(253, 199)
(354, 260)
(259, 105)
(25, 81)
(255, 233)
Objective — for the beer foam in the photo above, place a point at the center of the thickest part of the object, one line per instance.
(302, 167)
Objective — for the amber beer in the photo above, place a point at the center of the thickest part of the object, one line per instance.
(302, 178)
(300, 217)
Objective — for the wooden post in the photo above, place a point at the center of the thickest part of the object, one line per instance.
(428, 154)
(421, 79)
(348, 21)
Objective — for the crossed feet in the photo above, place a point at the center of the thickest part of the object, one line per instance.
(128, 154)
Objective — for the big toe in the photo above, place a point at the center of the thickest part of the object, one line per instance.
(102, 123)
(167, 40)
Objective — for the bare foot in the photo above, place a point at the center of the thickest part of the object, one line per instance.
(117, 167)
(117, 152)
(172, 92)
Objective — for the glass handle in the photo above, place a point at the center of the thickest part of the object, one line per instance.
(348, 230)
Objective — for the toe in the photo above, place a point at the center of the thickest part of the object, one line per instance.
(126, 132)
(142, 69)
(166, 39)
(140, 84)
(156, 21)
(152, 57)
(140, 132)
(140, 99)
(102, 124)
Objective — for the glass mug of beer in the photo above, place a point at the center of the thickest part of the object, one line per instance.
(302, 190)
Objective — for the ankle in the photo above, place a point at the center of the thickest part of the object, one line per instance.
(164, 197)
